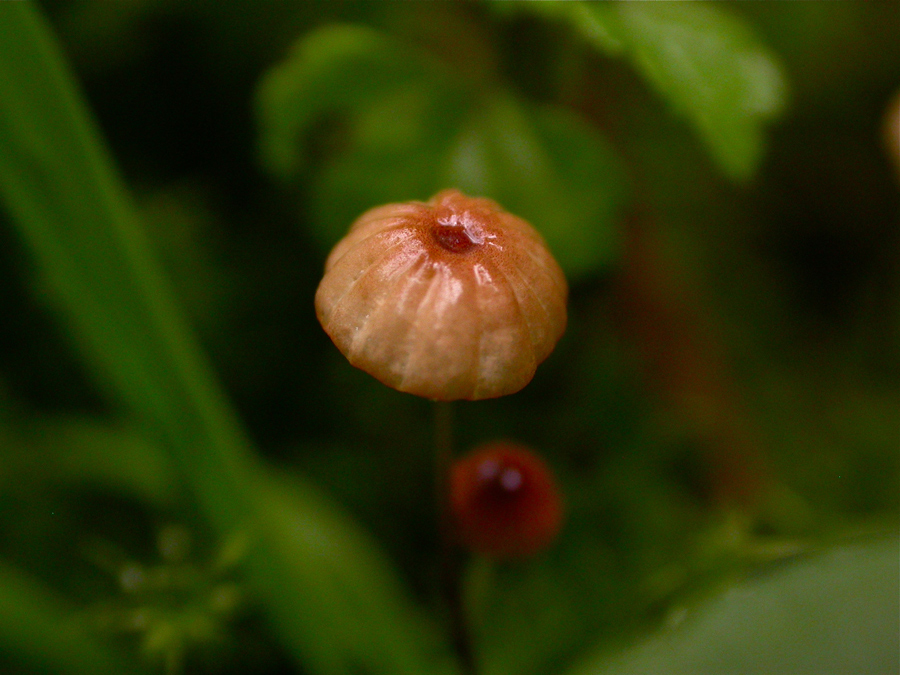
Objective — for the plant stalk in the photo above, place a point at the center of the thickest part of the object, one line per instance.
(450, 567)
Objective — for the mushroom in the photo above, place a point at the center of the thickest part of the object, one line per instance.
(505, 501)
(448, 299)
(892, 131)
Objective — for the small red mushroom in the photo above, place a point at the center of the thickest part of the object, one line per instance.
(504, 501)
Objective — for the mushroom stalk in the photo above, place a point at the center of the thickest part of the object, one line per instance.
(450, 568)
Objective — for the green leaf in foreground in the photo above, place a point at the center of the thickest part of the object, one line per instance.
(93, 259)
(336, 603)
(833, 613)
(706, 62)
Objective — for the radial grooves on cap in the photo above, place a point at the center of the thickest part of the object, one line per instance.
(504, 359)
(467, 358)
(388, 355)
(390, 284)
(362, 235)
(517, 301)
(362, 274)
(382, 222)
(462, 357)
(415, 328)
(384, 217)
(482, 332)
(542, 347)
(434, 324)
(528, 269)
(417, 284)
(548, 266)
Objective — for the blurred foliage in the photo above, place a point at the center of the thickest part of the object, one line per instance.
(417, 128)
(782, 622)
(708, 65)
(712, 178)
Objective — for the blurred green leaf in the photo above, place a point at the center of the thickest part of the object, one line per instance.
(833, 613)
(706, 62)
(96, 268)
(96, 265)
(416, 129)
(75, 450)
(37, 629)
(394, 156)
(338, 596)
(338, 68)
(529, 620)
(548, 166)
(402, 109)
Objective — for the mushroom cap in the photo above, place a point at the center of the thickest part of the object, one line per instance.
(450, 299)
(505, 501)
(892, 130)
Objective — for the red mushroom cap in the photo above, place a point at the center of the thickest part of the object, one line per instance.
(505, 501)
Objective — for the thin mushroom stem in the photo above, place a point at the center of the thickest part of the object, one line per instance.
(450, 561)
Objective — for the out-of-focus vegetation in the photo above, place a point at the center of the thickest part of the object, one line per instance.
(193, 480)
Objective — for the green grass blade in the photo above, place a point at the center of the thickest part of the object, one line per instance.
(79, 224)
(337, 610)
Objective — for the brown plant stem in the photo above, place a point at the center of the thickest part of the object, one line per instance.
(450, 567)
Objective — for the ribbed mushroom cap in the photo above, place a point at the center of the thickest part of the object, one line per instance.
(450, 299)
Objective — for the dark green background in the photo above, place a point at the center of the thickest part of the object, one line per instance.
(727, 394)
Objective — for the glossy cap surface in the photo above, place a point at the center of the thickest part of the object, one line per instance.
(450, 299)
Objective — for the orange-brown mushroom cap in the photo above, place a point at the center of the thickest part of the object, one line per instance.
(892, 131)
(450, 299)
